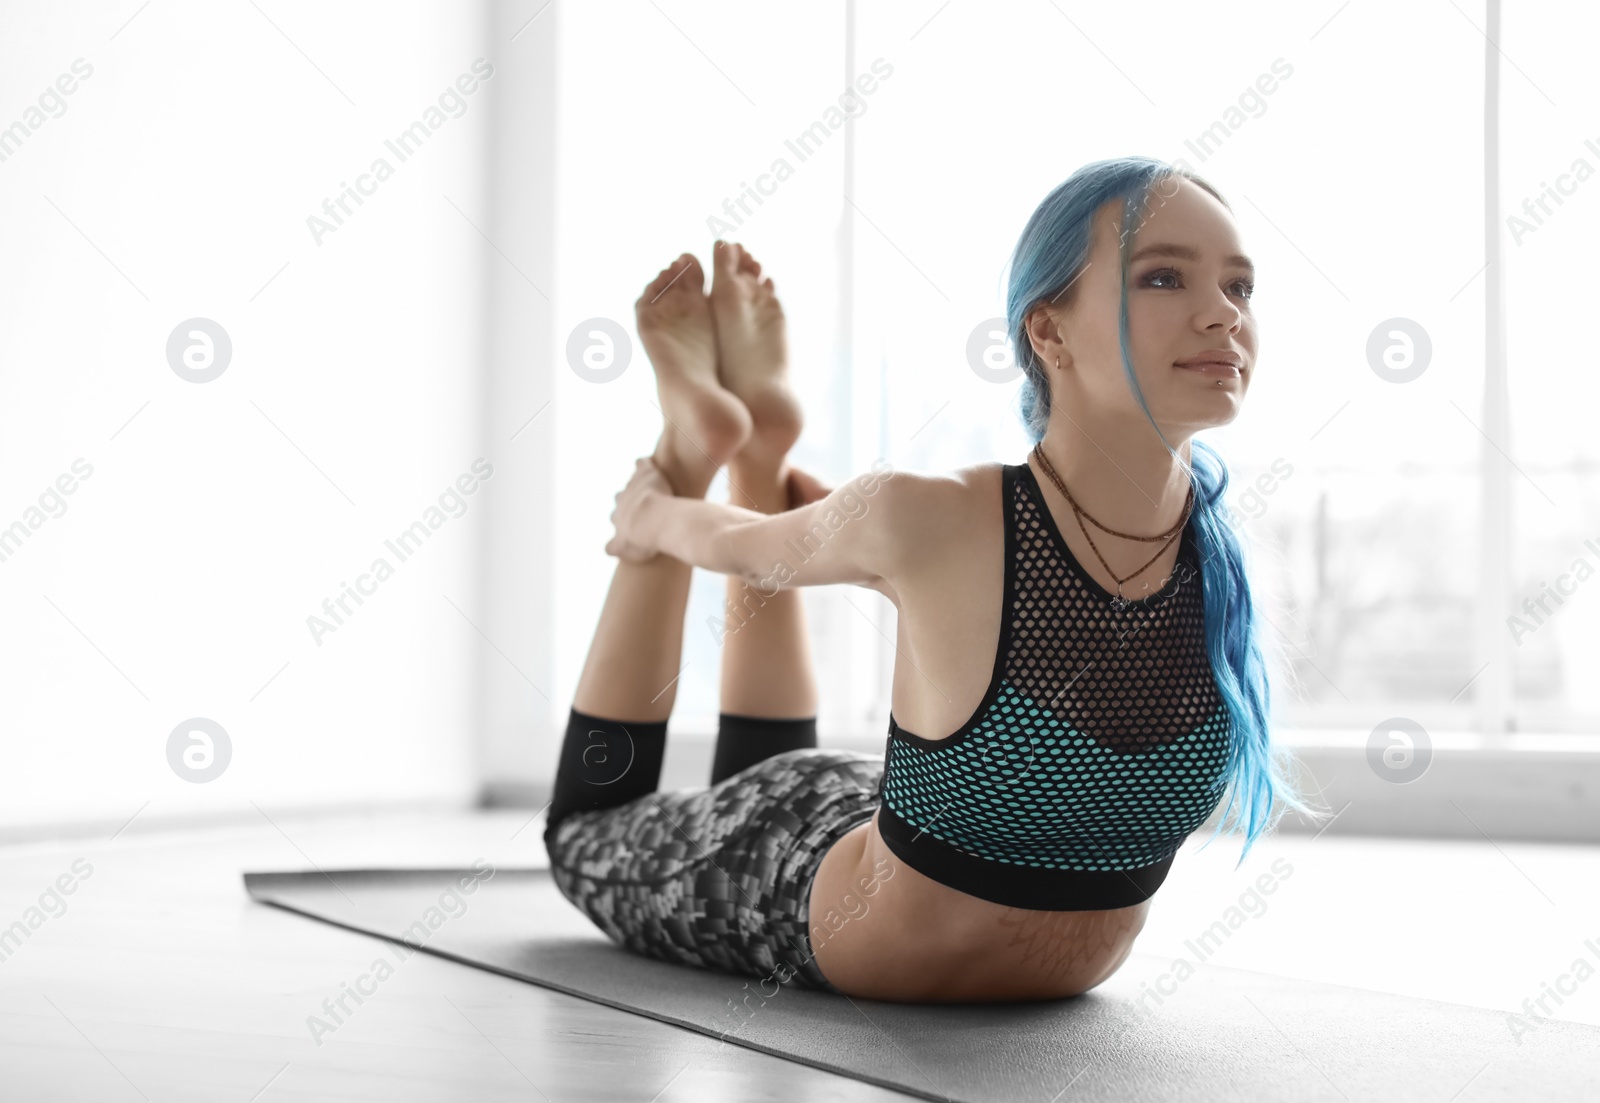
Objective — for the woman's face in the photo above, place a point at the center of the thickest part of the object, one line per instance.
(1190, 300)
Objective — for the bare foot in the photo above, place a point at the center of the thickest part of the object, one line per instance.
(706, 424)
(753, 353)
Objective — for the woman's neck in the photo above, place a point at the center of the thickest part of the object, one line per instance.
(1137, 489)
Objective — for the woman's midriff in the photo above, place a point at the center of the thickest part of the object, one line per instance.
(881, 930)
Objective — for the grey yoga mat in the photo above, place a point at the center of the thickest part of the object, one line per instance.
(1217, 1034)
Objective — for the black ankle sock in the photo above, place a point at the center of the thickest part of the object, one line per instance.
(742, 741)
(605, 763)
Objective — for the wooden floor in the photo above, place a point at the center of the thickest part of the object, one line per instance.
(161, 980)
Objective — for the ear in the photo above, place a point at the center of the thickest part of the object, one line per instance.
(1043, 329)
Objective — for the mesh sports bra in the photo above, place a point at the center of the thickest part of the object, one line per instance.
(1097, 749)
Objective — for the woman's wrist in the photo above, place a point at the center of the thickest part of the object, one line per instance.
(656, 518)
(689, 528)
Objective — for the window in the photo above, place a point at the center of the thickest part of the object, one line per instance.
(1362, 499)
(676, 125)
(1549, 156)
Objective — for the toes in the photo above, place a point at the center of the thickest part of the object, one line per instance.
(695, 277)
(657, 285)
(723, 258)
(683, 272)
(731, 260)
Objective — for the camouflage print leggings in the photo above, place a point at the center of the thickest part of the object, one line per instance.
(719, 877)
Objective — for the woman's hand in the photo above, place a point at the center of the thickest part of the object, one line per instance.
(634, 542)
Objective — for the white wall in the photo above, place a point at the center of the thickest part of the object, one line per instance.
(210, 520)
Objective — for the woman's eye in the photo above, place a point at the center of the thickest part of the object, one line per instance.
(1249, 288)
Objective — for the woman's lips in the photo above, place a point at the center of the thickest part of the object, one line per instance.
(1212, 367)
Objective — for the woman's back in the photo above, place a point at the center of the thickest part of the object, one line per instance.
(1047, 754)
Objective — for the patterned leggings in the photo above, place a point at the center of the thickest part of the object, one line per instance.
(718, 877)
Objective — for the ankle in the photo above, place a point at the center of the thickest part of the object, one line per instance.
(690, 476)
(765, 453)
(758, 483)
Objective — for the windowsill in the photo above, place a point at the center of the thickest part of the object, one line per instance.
(1580, 743)
(1536, 787)
(698, 729)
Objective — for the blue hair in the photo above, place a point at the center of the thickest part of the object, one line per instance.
(1050, 255)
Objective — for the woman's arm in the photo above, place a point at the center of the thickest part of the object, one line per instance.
(691, 529)
(844, 537)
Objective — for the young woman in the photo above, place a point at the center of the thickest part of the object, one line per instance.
(1069, 703)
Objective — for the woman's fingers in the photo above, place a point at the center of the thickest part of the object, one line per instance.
(627, 552)
(630, 542)
(805, 488)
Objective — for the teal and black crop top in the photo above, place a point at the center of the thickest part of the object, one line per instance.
(1098, 748)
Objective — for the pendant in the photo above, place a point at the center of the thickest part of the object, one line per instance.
(1119, 603)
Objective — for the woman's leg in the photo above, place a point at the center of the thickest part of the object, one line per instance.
(616, 730)
(769, 693)
(720, 876)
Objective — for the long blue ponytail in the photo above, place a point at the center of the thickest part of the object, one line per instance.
(1049, 256)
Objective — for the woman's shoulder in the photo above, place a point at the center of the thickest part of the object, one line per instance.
(973, 480)
(963, 494)
(933, 519)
